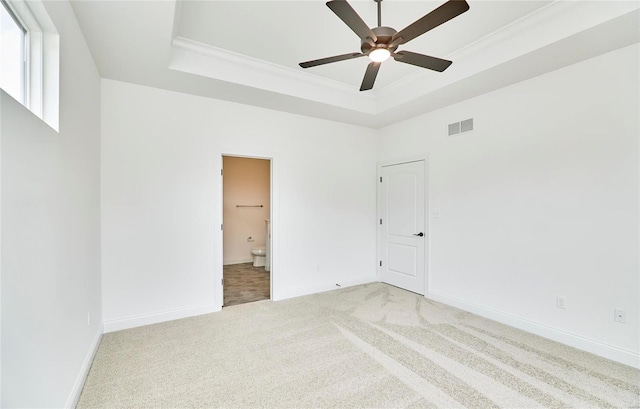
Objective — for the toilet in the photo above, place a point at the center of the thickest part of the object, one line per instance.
(259, 256)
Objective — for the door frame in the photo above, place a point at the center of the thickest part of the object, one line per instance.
(427, 220)
(218, 243)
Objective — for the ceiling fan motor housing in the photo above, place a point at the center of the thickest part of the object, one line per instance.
(384, 34)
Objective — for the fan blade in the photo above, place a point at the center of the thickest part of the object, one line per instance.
(370, 76)
(346, 13)
(328, 60)
(442, 14)
(421, 60)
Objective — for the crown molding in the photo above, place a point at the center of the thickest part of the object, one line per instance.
(500, 36)
(518, 27)
(203, 59)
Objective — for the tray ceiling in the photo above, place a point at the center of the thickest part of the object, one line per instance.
(248, 51)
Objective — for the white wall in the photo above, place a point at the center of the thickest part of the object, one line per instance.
(540, 200)
(51, 234)
(161, 157)
(246, 181)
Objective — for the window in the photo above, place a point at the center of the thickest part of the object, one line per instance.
(12, 55)
(30, 57)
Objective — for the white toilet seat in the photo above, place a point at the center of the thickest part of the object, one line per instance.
(259, 251)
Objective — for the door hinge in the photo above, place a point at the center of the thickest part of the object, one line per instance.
(380, 263)
(380, 179)
(221, 226)
(221, 172)
(380, 221)
(222, 281)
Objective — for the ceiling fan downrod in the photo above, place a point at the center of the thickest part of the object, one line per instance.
(379, 12)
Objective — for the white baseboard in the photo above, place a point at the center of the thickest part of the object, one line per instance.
(72, 401)
(319, 288)
(614, 353)
(241, 261)
(157, 317)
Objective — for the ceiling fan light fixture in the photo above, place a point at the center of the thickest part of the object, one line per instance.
(379, 55)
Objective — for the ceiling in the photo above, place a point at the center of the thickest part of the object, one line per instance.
(248, 51)
(297, 31)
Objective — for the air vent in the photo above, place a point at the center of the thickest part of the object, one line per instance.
(460, 127)
(466, 125)
(454, 128)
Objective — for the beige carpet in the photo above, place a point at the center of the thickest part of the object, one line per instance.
(371, 346)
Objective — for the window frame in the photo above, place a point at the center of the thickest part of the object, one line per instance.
(25, 52)
(42, 66)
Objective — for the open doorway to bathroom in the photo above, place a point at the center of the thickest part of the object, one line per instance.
(246, 197)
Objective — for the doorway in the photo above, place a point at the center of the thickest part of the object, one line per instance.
(401, 231)
(246, 232)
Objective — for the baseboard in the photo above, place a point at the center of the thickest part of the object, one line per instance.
(242, 261)
(72, 401)
(157, 317)
(320, 288)
(614, 353)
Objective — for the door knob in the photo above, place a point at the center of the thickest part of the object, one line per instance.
(419, 234)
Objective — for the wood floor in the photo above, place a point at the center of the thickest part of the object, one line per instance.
(245, 283)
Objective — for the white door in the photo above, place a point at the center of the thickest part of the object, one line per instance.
(402, 238)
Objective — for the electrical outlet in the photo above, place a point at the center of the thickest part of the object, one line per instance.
(620, 315)
(561, 302)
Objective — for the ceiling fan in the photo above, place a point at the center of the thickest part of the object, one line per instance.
(380, 43)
